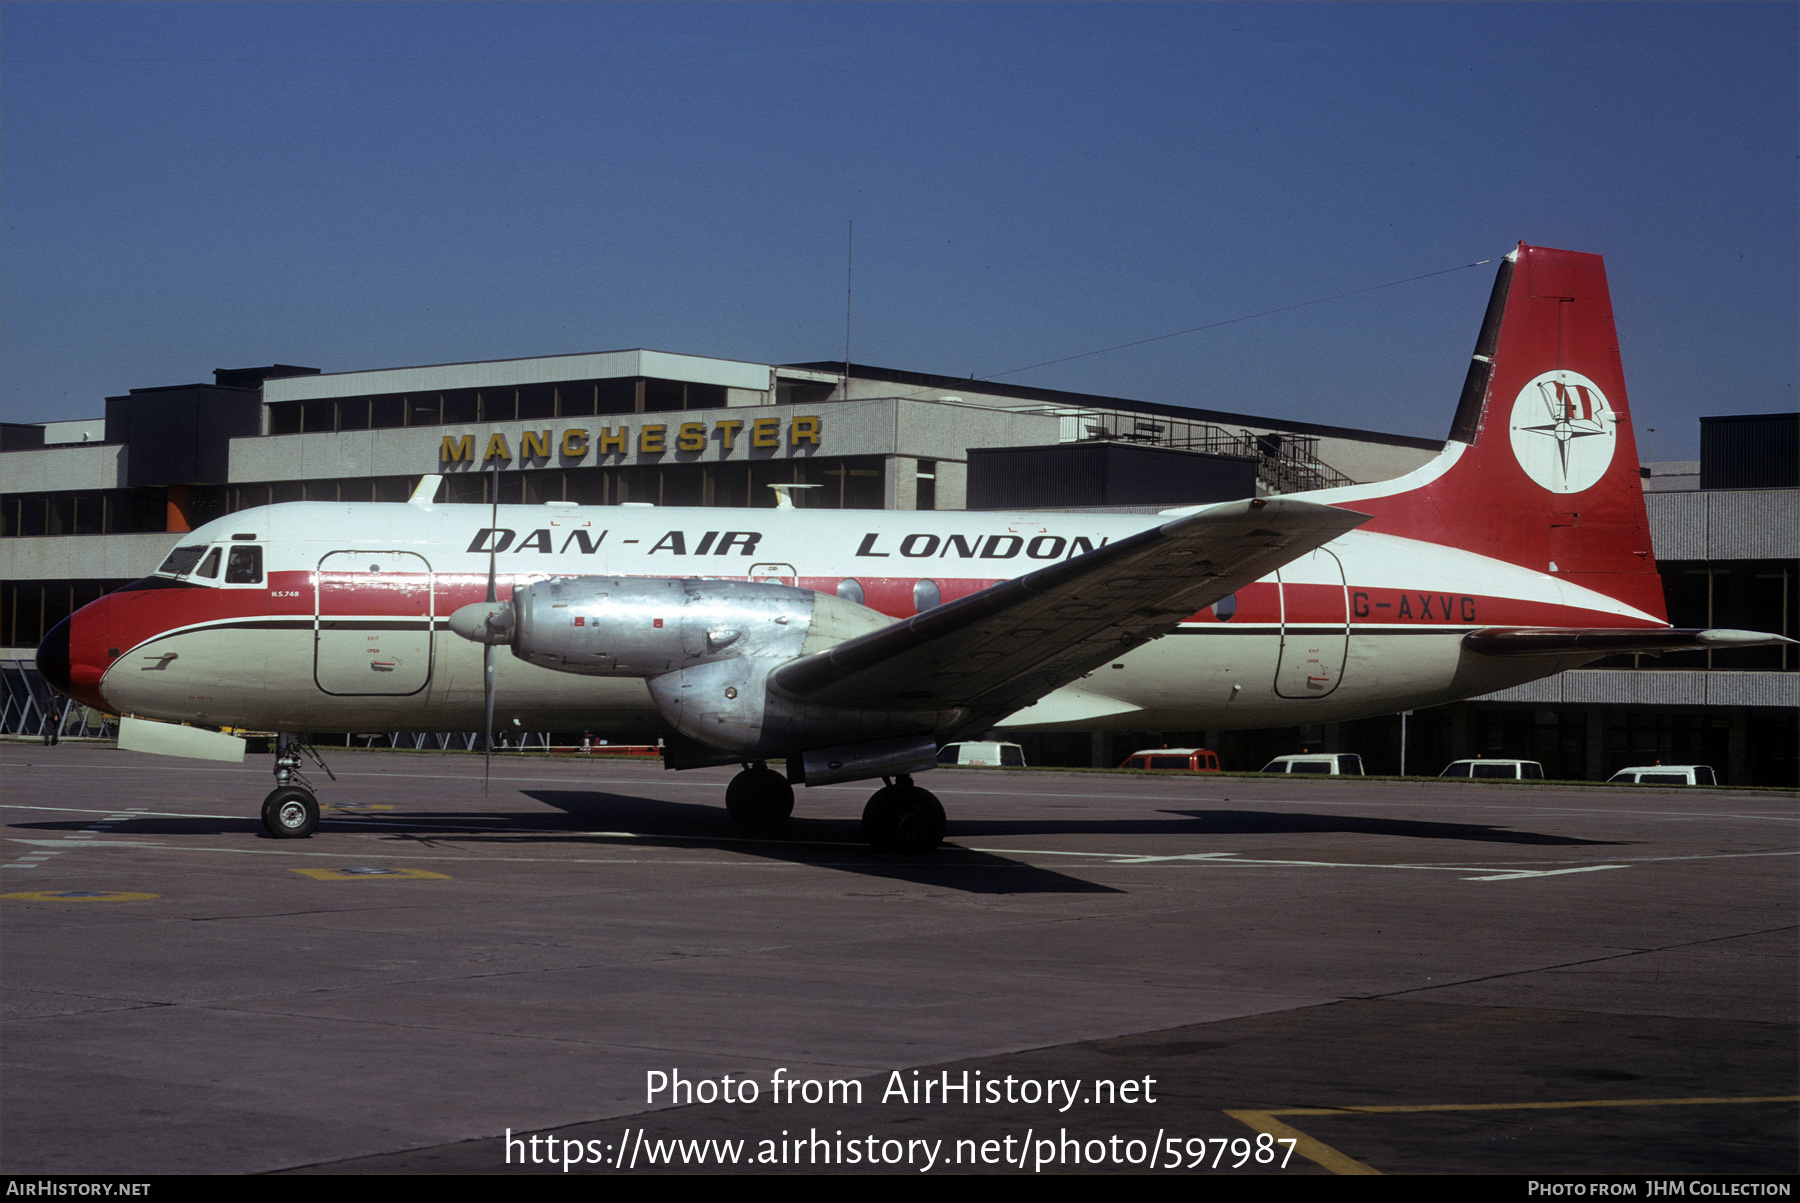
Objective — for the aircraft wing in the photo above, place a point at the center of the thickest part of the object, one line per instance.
(1608, 641)
(1014, 642)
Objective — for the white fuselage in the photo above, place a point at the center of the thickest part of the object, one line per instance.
(346, 629)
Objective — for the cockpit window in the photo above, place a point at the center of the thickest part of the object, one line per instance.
(181, 561)
(210, 569)
(244, 567)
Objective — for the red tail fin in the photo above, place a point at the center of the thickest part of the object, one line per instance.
(1541, 469)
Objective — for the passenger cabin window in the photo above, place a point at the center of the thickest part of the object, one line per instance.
(1168, 762)
(1309, 766)
(244, 566)
(1662, 779)
(1495, 770)
(181, 561)
(210, 568)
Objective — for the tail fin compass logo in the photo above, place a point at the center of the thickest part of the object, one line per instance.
(1563, 431)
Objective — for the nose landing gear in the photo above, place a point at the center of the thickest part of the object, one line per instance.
(291, 812)
(901, 817)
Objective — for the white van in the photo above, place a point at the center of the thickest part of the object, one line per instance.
(1336, 764)
(1495, 770)
(1667, 774)
(993, 755)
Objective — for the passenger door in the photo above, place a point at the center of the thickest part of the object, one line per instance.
(1314, 631)
(372, 623)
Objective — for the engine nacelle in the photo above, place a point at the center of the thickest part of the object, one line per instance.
(647, 626)
(706, 649)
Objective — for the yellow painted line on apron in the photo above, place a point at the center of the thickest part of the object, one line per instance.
(1340, 1163)
(1306, 1146)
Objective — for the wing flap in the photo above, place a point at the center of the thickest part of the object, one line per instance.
(1015, 642)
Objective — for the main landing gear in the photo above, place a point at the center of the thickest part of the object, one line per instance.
(291, 812)
(901, 817)
(759, 797)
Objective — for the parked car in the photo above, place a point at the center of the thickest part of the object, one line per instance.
(1336, 764)
(1194, 760)
(1667, 774)
(1495, 770)
(1006, 756)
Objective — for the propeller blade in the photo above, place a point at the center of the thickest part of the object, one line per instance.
(487, 649)
(487, 743)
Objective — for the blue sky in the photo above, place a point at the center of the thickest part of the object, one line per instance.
(191, 186)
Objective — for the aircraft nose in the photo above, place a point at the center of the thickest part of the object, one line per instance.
(74, 657)
(53, 656)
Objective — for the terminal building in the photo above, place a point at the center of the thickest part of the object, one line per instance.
(89, 505)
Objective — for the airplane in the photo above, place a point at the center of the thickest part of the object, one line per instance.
(852, 644)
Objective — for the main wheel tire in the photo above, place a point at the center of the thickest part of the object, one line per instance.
(759, 798)
(290, 813)
(904, 818)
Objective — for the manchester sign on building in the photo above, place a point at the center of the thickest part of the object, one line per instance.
(717, 439)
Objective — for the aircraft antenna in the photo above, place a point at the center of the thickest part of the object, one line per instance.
(849, 280)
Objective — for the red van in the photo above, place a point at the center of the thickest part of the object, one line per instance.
(1192, 760)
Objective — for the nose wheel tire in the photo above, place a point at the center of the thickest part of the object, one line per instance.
(290, 813)
(759, 797)
(903, 818)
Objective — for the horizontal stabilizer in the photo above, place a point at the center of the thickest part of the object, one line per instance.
(1611, 641)
(1012, 643)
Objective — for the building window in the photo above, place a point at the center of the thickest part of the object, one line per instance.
(617, 396)
(927, 477)
(424, 409)
(353, 413)
(499, 404)
(285, 417)
(318, 416)
(462, 407)
(663, 395)
(387, 412)
(536, 401)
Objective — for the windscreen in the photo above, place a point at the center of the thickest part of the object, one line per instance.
(1012, 756)
(1703, 775)
(1455, 770)
(182, 560)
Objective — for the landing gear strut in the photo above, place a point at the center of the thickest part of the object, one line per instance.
(759, 797)
(901, 817)
(291, 812)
